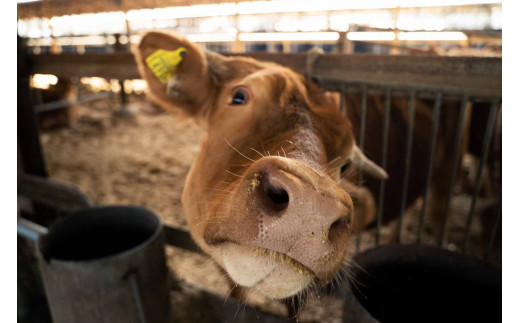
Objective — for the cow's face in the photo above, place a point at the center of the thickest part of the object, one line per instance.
(262, 198)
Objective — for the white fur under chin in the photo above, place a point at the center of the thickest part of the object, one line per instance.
(268, 272)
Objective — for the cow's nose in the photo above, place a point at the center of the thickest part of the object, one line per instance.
(273, 192)
(302, 202)
(301, 214)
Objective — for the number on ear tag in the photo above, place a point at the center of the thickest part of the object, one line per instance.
(163, 63)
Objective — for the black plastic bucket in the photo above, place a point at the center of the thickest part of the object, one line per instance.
(106, 264)
(418, 283)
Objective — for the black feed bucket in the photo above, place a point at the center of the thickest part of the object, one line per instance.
(106, 264)
(418, 283)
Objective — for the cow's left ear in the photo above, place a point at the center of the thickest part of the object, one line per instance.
(179, 74)
(335, 97)
(364, 204)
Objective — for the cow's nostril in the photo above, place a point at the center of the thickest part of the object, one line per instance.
(336, 224)
(338, 227)
(277, 196)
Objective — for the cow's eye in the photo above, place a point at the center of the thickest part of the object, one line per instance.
(240, 96)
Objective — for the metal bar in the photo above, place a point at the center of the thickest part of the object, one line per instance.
(483, 158)
(363, 117)
(474, 91)
(431, 157)
(136, 294)
(456, 153)
(55, 105)
(30, 230)
(498, 212)
(362, 130)
(403, 90)
(181, 238)
(62, 196)
(342, 98)
(408, 161)
(66, 102)
(383, 164)
(124, 98)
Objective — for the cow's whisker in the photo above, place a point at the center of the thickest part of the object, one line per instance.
(230, 291)
(230, 145)
(335, 159)
(353, 263)
(234, 174)
(296, 146)
(247, 298)
(217, 189)
(242, 165)
(283, 152)
(263, 148)
(339, 167)
(257, 152)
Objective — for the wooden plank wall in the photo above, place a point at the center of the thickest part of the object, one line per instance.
(475, 76)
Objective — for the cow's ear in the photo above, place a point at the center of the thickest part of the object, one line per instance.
(335, 97)
(364, 204)
(176, 71)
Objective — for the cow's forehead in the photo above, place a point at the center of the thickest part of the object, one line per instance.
(296, 106)
(267, 70)
(281, 82)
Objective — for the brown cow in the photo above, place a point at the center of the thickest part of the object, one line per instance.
(397, 145)
(262, 197)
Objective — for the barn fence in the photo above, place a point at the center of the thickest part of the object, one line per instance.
(466, 79)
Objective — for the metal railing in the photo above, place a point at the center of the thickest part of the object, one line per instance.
(438, 93)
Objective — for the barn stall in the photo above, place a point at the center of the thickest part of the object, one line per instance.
(121, 149)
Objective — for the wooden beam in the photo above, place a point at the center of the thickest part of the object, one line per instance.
(117, 65)
(51, 8)
(475, 76)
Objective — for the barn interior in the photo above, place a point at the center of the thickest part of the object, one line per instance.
(89, 135)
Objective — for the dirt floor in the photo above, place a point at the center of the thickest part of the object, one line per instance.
(143, 160)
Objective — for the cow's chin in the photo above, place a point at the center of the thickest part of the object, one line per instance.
(271, 273)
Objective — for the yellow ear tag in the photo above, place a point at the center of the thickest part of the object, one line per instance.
(164, 62)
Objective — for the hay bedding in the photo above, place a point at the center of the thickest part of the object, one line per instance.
(144, 161)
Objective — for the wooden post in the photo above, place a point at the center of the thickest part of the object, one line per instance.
(344, 46)
(286, 47)
(237, 46)
(32, 304)
(28, 134)
(395, 50)
(125, 110)
(30, 153)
